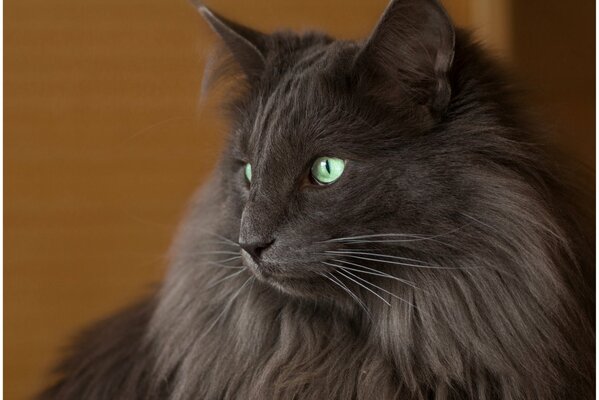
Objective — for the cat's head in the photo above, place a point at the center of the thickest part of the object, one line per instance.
(334, 140)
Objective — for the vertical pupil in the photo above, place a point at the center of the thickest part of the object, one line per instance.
(328, 168)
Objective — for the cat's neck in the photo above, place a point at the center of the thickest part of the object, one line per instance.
(265, 342)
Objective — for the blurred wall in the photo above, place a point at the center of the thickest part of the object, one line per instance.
(105, 140)
(554, 52)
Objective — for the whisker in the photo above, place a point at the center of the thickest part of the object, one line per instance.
(409, 235)
(224, 266)
(358, 283)
(225, 278)
(376, 235)
(365, 253)
(367, 272)
(209, 253)
(372, 271)
(228, 259)
(383, 241)
(218, 243)
(337, 282)
(397, 262)
(504, 273)
(382, 274)
(220, 237)
(386, 291)
(253, 278)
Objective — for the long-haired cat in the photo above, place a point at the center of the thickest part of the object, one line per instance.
(383, 224)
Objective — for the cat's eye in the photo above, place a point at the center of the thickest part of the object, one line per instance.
(327, 170)
(248, 172)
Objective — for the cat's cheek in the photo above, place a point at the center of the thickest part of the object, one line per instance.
(237, 196)
(241, 186)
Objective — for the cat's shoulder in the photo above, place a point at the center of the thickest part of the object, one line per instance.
(109, 360)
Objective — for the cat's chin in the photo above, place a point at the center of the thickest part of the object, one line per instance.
(276, 278)
(293, 286)
(305, 286)
(289, 279)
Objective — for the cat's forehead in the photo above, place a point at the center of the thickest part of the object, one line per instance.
(303, 74)
(296, 107)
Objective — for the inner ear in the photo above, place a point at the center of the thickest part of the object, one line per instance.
(409, 54)
(247, 46)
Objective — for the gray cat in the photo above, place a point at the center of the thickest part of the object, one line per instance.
(383, 224)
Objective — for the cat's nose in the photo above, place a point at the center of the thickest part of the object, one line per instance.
(255, 247)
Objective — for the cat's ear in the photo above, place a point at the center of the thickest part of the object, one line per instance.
(247, 46)
(410, 52)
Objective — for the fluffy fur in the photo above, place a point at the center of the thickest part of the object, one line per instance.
(472, 262)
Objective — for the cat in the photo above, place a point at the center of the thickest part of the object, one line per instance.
(385, 223)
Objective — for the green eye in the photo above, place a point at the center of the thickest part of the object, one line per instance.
(248, 172)
(327, 170)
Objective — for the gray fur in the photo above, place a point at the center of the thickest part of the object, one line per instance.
(492, 257)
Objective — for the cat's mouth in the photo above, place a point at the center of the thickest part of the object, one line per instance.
(281, 273)
(267, 271)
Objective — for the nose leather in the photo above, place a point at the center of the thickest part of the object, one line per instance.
(255, 247)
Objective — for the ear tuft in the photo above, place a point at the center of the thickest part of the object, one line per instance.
(247, 46)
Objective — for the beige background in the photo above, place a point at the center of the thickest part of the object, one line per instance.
(105, 139)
